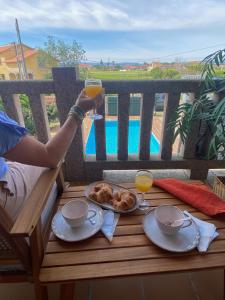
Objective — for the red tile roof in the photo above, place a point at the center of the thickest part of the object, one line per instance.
(27, 53)
(85, 66)
(5, 47)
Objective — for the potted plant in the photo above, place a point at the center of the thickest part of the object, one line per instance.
(209, 113)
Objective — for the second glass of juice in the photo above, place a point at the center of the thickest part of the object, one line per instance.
(143, 183)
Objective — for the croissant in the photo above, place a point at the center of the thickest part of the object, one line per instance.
(101, 193)
(123, 200)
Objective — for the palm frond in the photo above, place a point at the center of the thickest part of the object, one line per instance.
(204, 109)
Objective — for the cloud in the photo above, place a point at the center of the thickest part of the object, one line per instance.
(126, 15)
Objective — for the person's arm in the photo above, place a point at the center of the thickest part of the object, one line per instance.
(30, 151)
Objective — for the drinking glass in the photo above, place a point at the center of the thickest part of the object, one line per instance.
(92, 88)
(143, 183)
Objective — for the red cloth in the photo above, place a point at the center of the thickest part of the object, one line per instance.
(198, 196)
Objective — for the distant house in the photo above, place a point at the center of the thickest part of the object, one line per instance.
(163, 66)
(11, 62)
(135, 67)
(85, 66)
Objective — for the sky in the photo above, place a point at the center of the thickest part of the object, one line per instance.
(120, 30)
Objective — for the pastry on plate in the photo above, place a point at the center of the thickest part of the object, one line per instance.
(123, 200)
(102, 193)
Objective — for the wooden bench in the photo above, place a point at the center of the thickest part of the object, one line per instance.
(22, 244)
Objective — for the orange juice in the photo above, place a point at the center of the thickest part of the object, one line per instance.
(93, 90)
(143, 183)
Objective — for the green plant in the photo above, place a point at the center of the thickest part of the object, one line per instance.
(27, 114)
(209, 114)
(52, 112)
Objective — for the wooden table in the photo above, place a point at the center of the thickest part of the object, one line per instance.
(130, 253)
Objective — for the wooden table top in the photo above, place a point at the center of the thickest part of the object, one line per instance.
(130, 252)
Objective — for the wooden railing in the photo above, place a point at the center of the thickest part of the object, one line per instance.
(78, 166)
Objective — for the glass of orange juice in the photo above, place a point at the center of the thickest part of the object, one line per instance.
(143, 183)
(92, 88)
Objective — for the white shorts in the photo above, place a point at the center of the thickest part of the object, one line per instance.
(16, 186)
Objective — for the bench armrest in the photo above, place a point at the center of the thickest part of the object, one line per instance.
(32, 210)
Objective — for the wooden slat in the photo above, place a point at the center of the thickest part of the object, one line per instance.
(98, 243)
(119, 231)
(102, 255)
(40, 117)
(26, 86)
(147, 108)
(72, 191)
(135, 164)
(123, 125)
(137, 267)
(100, 134)
(128, 185)
(144, 86)
(118, 254)
(136, 238)
(171, 103)
(148, 195)
(12, 105)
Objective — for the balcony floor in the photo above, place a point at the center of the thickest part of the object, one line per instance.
(207, 285)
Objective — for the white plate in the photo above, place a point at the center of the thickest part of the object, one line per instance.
(73, 234)
(185, 240)
(116, 188)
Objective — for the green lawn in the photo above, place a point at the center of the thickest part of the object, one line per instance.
(119, 75)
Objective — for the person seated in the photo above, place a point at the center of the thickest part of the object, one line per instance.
(23, 158)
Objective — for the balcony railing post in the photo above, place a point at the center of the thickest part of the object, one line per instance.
(40, 117)
(66, 91)
(171, 103)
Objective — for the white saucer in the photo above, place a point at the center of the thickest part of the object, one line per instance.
(185, 240)
(73, 234)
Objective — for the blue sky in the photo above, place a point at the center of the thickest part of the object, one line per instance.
(128, 30)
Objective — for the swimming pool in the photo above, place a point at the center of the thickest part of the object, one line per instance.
(112, 139)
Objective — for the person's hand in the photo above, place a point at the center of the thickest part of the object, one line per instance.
(88, 103)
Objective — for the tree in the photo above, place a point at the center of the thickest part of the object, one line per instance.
(57, 52)
(171, 74)
(156, 73)
(194, 68)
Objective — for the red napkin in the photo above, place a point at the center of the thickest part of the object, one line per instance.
(198, 196)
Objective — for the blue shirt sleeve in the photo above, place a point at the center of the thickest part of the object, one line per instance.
(10, 133)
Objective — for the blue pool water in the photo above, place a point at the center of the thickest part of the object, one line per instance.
(112, 139)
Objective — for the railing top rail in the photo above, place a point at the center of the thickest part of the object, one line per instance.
(111, 86)
(27, 86)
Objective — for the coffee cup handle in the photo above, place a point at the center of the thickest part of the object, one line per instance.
(94, 213)
(189, 222)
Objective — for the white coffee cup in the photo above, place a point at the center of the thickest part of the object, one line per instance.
(171, 219)
(76, 212)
